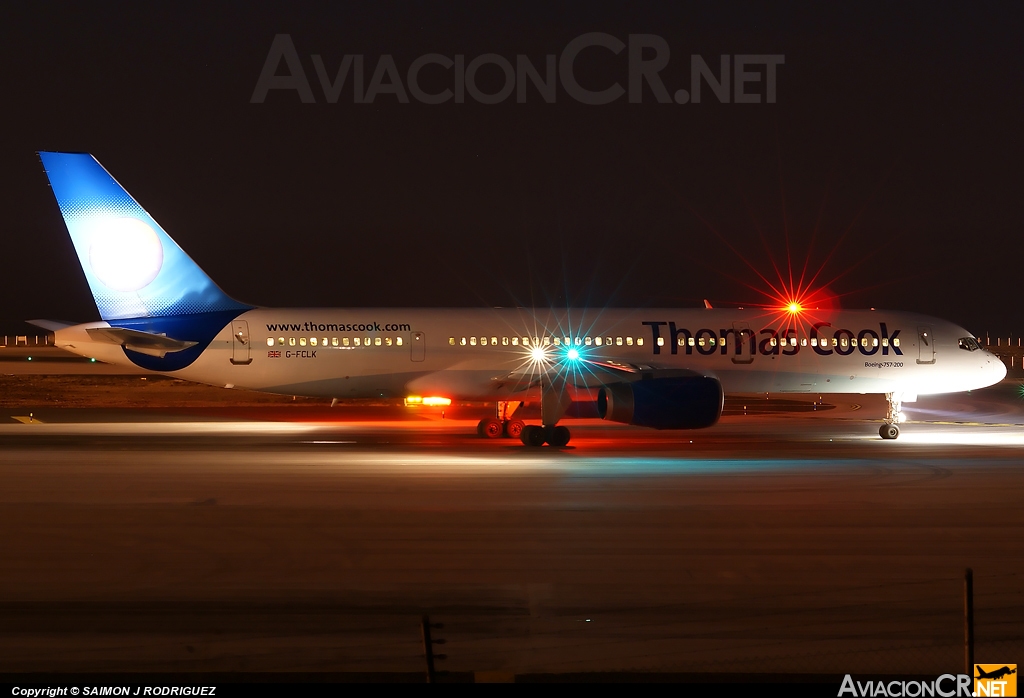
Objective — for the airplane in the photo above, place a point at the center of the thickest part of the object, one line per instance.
(654, 367)
(994, 674)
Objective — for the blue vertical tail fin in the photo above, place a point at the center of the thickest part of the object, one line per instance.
(134, 268)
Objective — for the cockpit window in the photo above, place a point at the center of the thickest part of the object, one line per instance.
(968, 344)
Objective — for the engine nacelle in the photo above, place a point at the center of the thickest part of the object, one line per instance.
(689, 402)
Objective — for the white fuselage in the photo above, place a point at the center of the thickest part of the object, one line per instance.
(492, 354)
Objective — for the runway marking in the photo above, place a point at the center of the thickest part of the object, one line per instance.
(28, 419)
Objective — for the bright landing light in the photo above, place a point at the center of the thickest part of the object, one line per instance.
(793, 307)
(572, 355)
(537, 354)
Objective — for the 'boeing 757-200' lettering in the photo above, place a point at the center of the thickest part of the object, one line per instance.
(665, 369)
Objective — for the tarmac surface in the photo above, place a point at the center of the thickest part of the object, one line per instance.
(197, 535)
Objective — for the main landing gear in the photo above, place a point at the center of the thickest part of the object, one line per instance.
(893, 416)
(551, 435)
(504, 425)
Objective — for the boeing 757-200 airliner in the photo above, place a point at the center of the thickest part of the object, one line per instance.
(662, 368)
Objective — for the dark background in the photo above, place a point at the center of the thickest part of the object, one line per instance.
(891, 161)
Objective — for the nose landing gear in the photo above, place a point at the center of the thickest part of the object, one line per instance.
(893, 416)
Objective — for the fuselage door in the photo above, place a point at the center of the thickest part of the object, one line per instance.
(925, 345)
(743, 351)
(240, 345)
(418, 346)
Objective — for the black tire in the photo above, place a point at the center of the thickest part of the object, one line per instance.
(514, 428)
(490, 428)
(888, 431)
(532, 436)
(559, 437)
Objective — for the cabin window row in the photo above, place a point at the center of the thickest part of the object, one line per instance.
(681, 341)
(335, 341)
(789, 341)
(546, 341)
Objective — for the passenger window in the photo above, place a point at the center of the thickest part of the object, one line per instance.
(773, 341)
(814, 342)
(629, 341)
(691, 341)
(843, 341)
(334, 341)
(558, 341)
(357, 341)
(578, 341)
(280, 341)
(344, 341)
(803, 341)
(270, 341)
(863, 341)
(618, 341)
(608, 341)
(366, 341)
(377, 341)
(387, 341)
(451, 341)
(515, 341)
(639, 341)
(504, 341)
(494, 341)
(483, 341)
(398, 340)
(874, 341)
(598, 341)
(472, 341)
(291, 341)
(526, 341)
(587, 341)
(312, 341)
(302, 341)
(885, 341)
(547, 341)
(462, 341)
(568, 341)
(536, 342)
(895, 341)
(661, 341)
(712, 340)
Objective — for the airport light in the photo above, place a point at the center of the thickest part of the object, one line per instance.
(538, 354)
(794, 307)
(572, 355)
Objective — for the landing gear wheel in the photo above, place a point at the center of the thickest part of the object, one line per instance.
(532, 436)
(491, 428)
(558, 436)
(888, 431)
(514, 428)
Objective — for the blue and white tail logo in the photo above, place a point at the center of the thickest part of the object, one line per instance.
(134, 268)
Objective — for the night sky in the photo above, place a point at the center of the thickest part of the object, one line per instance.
(891, 161)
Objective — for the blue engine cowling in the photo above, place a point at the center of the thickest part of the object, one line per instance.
(689, 402)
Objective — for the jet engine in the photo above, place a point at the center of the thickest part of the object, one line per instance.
(688, 402)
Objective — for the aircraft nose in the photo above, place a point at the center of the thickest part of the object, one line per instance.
(994, 368)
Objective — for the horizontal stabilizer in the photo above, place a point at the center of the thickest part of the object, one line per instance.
(51, 325)
(142, 342)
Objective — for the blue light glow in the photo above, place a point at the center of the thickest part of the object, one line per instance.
(572, 355)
